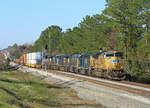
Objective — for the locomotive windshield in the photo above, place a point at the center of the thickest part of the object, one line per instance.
(110, 55)
(114, 54)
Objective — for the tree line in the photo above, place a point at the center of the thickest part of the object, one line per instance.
(124, 25)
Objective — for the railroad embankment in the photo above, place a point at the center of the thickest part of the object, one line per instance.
(23, 90)
(120, 96)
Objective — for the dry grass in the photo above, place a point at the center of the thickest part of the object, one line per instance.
(22, 90)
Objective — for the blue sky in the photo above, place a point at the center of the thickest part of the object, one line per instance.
(22, 21)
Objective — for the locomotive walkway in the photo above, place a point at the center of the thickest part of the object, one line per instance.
(108, 93)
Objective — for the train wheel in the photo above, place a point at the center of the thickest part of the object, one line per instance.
(76, 71)
(88, 72)
(92, 72)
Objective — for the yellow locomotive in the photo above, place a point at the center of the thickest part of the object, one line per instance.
(108, 65)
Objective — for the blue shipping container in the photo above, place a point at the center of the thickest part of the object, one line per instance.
(38, 58)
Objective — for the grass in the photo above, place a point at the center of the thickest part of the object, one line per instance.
(22, 90)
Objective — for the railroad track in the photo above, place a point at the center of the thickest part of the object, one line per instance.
(132, 87)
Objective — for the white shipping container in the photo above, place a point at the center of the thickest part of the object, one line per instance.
(33, 56)
(30, 56)
(33, 62)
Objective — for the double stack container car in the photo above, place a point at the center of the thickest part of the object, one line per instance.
(31, 59)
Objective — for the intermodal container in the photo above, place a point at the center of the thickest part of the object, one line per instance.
(29, 59)
(27, 62)
(21, 59)
(24, 58)
(38, 59)
(33, 59)
(17, 60)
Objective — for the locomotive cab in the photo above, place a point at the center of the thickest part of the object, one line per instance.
(114, 64)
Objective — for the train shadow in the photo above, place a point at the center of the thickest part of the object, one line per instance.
(136, 79)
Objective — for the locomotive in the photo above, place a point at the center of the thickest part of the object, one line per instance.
(108, 64)
(104, 64)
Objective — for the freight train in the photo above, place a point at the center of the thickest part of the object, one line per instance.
(105, 64)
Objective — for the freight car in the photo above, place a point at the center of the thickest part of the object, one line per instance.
(33, 60)
(106, 64)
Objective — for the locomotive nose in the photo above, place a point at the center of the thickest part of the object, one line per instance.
(117, 64)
